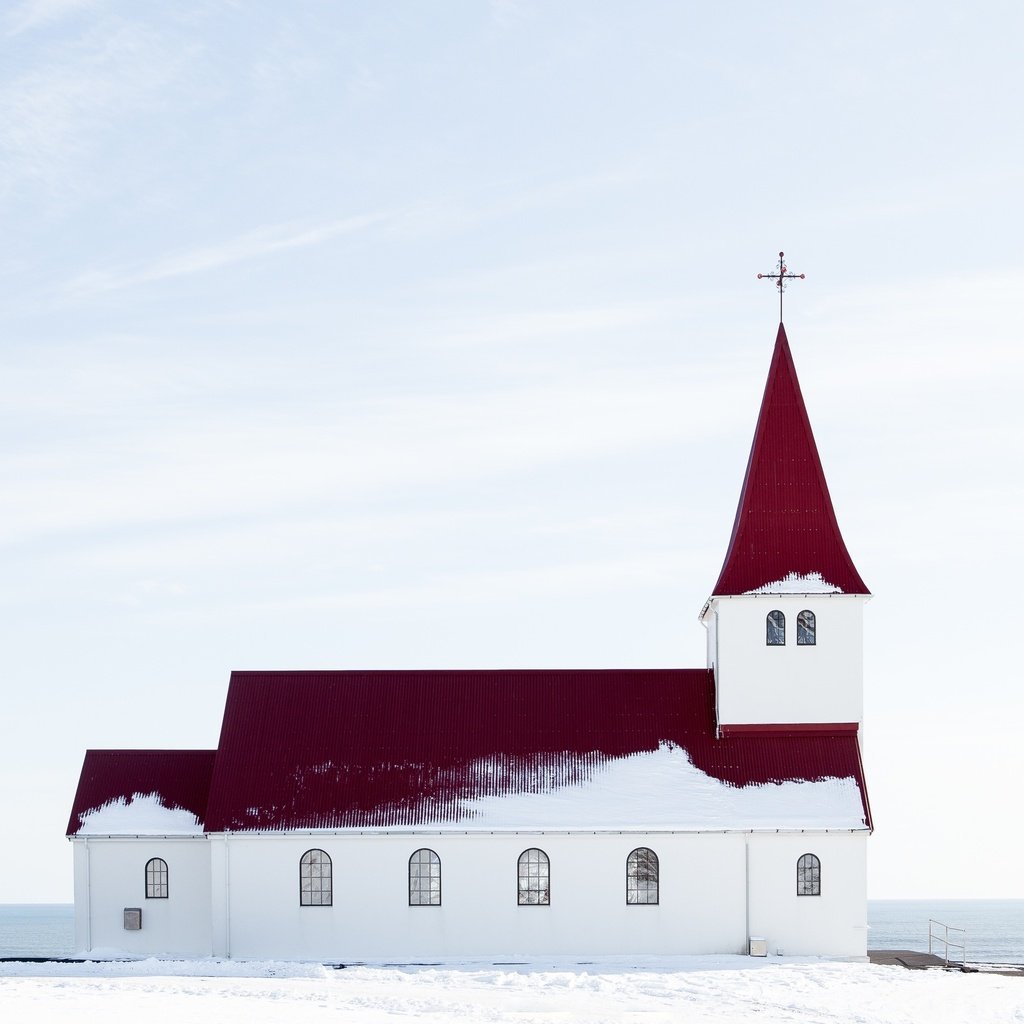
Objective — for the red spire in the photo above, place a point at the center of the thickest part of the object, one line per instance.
(786, 537)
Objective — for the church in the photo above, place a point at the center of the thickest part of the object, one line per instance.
(361, 816)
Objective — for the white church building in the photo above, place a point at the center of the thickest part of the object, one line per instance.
(428, 815)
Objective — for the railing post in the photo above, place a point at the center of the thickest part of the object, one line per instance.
(932, 938)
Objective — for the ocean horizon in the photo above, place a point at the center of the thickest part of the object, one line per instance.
(994, 928)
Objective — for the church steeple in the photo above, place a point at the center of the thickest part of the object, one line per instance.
(785, 621)
(785, 538)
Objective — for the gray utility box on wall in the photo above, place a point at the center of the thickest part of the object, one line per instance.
(758, 946)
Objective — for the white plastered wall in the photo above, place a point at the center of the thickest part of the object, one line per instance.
(702, 898)
(832, 924)
(110, 876)
(702, 909)
(760, 685)
(238, 896)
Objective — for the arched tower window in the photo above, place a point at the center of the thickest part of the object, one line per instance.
(424, 879)
(642, 876)
(316, 888)
(534, 879)
(156, 879)
(808, 876)
(805, 629)
(776, 627)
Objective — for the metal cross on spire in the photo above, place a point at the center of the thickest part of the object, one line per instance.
(780, 278)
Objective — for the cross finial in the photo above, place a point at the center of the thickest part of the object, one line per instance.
(780, 277)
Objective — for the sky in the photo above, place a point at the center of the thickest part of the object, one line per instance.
(363, 335)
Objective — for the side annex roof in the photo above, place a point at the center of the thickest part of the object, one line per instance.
(169, 780)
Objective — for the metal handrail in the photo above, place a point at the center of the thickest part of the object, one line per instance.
(945, 939)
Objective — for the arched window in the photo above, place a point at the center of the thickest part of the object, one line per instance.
(805, 629)
(156, 879)
(808, 876)
(642, 876)
(424, 879)
(315, 886)
(776, 624)
(534, 879)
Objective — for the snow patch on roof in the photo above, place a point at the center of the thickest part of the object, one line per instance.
(795, 583)
(144, 814)
(662, 789)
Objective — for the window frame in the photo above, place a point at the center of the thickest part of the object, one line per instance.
(158, 880)
(635, 889)
(543, 893)
(802, 629)
(769, 620)
(303, 864)
(811, 887)
(429, 890)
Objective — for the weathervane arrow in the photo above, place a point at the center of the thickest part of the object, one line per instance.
(780, 277)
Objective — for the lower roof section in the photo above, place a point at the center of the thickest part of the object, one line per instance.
(142, 792)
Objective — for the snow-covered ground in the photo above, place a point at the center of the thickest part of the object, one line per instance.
(713, 989)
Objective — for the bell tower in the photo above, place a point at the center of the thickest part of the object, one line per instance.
(785, 619)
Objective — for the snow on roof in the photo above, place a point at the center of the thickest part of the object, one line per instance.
(785, 523)
(662, 789)
(142, 814)
(795, 583)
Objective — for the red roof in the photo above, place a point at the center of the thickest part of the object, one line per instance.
(785, 523)
(304, 750)
(181, 778)
(312, 750)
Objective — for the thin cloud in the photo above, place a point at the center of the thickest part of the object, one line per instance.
(37, 13)
(369, 449)
(251, 245)
(421, 220)
(507, 14)
(517, 327)
(424, 219)
(57, 114)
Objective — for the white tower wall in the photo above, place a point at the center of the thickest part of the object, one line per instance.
(759, 684)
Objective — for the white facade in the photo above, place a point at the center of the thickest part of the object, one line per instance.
(761, 684)
(110, 876)
(237, 895)
(833, 923)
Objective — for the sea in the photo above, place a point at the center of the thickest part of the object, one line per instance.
(994, 928)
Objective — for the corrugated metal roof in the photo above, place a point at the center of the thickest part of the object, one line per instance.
(304, 750)
(181, 778)
(785, 522)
